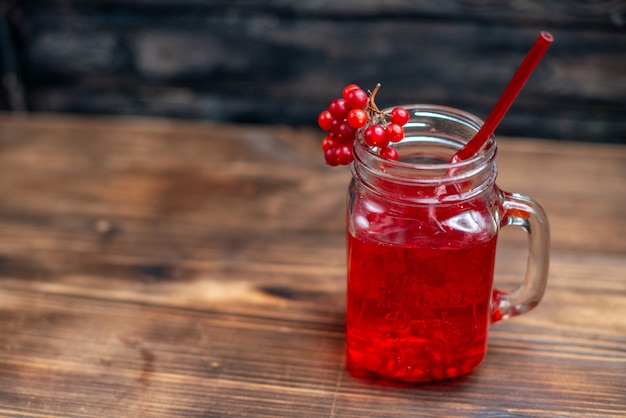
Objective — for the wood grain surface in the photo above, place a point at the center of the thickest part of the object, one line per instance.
(281, 61)
(158, 268)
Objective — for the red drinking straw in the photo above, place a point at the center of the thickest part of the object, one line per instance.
(510, 93)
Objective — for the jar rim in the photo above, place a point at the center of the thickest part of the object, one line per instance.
(487, 152)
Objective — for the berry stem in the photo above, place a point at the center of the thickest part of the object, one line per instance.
(372, 108)
(372, 96)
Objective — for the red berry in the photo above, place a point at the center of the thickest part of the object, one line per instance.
(343, 154)
(400, 116)
(338, 108)
(347, 90)
(330, 156)
(334, 126)
(328, 142)
(357, 98)
(324, 119)
(374, 136)
(357, 118)
(394, 132)
(345, 132)
(389, 153)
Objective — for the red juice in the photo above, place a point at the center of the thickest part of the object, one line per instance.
(419, 311)
(421, 238)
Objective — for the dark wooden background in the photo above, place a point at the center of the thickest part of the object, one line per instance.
(281, 61)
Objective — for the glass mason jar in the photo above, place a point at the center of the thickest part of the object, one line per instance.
(421, 237)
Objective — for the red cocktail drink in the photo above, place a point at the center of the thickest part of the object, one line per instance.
(422, 239)
(419, 312)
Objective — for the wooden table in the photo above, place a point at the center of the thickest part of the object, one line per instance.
(154, 268)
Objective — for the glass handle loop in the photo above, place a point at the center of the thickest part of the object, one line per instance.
(524, 212)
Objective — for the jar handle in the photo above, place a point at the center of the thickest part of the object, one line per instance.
(523, 211)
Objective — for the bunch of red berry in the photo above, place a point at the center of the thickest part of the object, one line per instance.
(356, 109)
